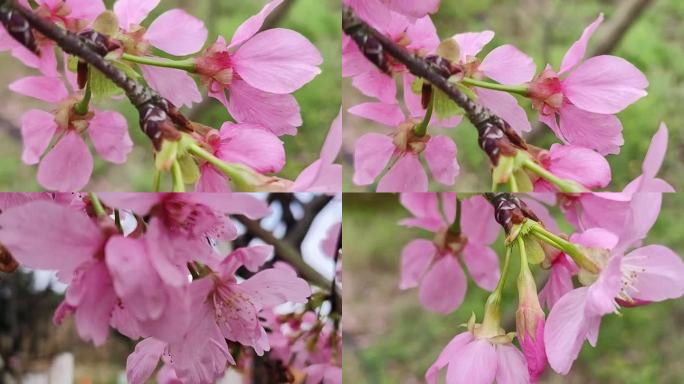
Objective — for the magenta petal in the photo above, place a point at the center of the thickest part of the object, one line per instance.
(477, 363)
(483, 265)
(558, 284)
(600, 132)
(211, 180)
(383, 113)
(440, 154)
(471, 43)
(143, 361)
(163, 33)
(108, 131)
(372, 151)
(576, 52)
(277, 61)
(406, 175)
(252, 25)
(580, 164)
(506, 106)
(658, 271)
(68, 166)
(477, 220)
(605, 84)
(508, 65)
(279, 113)
(415, 261)
(133, 11)
(37, 129)
(511, 367)
(174, 84)
(50, 89)
(444, 286)
(246, 144)
(565, 330)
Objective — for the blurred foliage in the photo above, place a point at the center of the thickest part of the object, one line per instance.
(544, 29)
(319, 100)
(391, 338)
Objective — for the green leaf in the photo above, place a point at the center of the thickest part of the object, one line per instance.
(100, 84)
(189, 168)
(523, 180)
(72, 64)
(444, 107)
(535, 252)
(417, 86)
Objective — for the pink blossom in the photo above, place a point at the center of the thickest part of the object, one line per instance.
(579, 102)
(530, 319)
(68, 164)
(571, 162)
(434, 265)
(560, 280)
(323, 175)
(256, 73)
(374, 151)
(380, 11)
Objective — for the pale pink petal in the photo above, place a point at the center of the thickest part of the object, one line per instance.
(477, 363)
(483, 265)
(46, 63)
(448, 200)
(505, 106)
(250, 145)
(320, 178)
(252, 25)
(143, 361)
(50, 89)
(277, 61)
(353, 61)
(372, 151)
(37, 129)
(68, 166)
(656, 152)
(658, 271)
(558, 284)
(422, 35)
(279, 113)
(333, 141)
(85, 9)
(444, 286)
(580, 164)
(253, 257)
(406, 175)
(440, 154)
(605, 84)
(414, 8)
(471, 43)
(133, 11)
(565, 330)
(211, 180)
(602, 133)
(108, 131)
(477, 220)
(167, 375)
(508, 65)
(30, 233)
(163, 33)
(383, 113)
(415, 261)
(511, 367)
(276, 286)
(376, 84)
(596, 238)
(140, 203)
(92, 294)
(425, 208)
(601, 294)
(452, 350)
(576, 52)
(174, 84)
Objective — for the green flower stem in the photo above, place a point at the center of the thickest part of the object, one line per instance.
(513, 184)
(82, 107)
(569, 248)
(235, 172)
(97, 205)
(567, 186)
(455, 227)
(421, 129)
(492, 313)
(517, 89)
(156, 182)
(185, 65)
(177, 177)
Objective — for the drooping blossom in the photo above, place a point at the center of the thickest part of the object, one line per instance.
(529, 322)
(254, 76)
(67, 164)
(579, 102)
(174, 84)
(435, 265)
(402, 149)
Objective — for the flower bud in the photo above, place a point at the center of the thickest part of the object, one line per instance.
(529, 321)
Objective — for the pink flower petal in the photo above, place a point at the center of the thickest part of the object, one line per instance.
(511, 366)
(605, 84)
(37, 129)
(252, 25)
(580, 164)
(477, 220)
(246, 144)
(108, 131)
(406, 175)
(85, 9)
(444, 286)
(425, 208)
(656, 153)
(140, 203)
(558, 284)
(68, 166)
(447, 355)
(658, 271)
(414, 8)
(477, 363)
(50, 89)
(542, 213)
(46, 63)
(422, 35)
(277, 61)
(565, 330)
(600, 132)
(483, 265)
(575, 54)
(505, 106)
(383, 113)
(377, 85)
(163, 33)
(508, 65)
(133, 11)
(211, 180)
(372, 151)
(279, 113)
(173, 84)
(471, 43)
(94, 301)
(276, 286)
(440, 153)
(143, 361)
(415, 261)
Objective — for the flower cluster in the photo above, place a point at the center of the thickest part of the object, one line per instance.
(579, 103)
(149, 266)
(601, 267)
(253, 76)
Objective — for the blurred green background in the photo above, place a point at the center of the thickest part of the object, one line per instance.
(390, 338)
(319, 100)
(544, 29)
